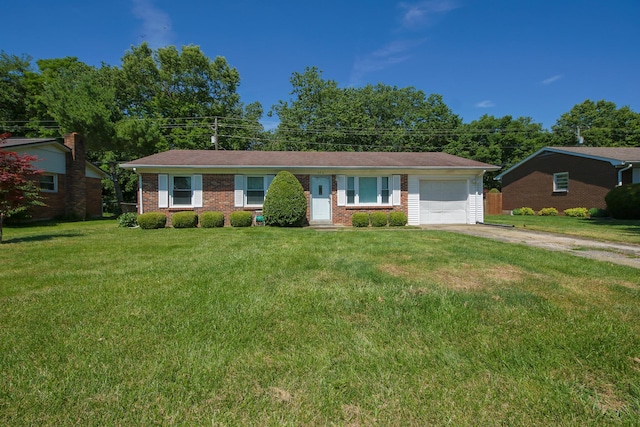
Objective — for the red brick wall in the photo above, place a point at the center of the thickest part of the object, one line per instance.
(76, 184)
(531, 184)
(342, 214)
(55, 203)
(94, 197)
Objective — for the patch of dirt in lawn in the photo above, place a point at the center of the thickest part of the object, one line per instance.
(614, 252)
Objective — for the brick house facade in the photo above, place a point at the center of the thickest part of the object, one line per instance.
(427, 187)
(568, 177)
(70, 186)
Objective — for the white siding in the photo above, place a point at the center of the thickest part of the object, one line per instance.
(413, 204)
(50, 159)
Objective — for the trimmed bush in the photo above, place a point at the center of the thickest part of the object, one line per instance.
(523, 211)
(211, 219)
(184, 220)
(378, 219)
(129, 219)
(577, 212)
(494, 191)
(624, 202)
(152, 220)
(360, 219)
(397, 219)
(598, 213)
(285, 204)
(241, 219)
(548, 212)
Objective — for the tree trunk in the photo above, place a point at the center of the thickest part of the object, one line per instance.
(1, 221)
(116, 184)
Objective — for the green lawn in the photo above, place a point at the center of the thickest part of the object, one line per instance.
(625, 231)
(102, 325)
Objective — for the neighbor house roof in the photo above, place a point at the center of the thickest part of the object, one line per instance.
(303, 159)
(27, 143)
(617, 156)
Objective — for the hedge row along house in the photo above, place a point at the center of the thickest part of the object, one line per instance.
(70, 186)
(568, 177)
(430, 188)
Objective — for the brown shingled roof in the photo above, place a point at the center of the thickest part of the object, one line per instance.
(304, 159)
(623, 154)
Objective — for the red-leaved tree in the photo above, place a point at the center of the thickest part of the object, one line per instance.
(18, 190)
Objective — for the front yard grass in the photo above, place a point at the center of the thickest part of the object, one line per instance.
(615, 230)
(103, 325)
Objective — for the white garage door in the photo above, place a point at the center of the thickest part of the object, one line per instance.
(443, 202)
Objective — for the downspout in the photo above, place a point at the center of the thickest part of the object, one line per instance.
(139, 191)
(620, 173)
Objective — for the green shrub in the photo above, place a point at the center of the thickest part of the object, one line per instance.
(624, 202)
(378, 219)
(397, 219)
(211, 219)
(598, 213)
(523, 211)
(151, 220)
(129, 219)
(285, 204)
(548, 212)
(241, 219)
(184, 220)
(494, 190)
(360, 219)
(577, 212)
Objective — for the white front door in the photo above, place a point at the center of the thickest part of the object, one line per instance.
(321, 198)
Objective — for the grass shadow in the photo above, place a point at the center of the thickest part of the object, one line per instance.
(38, 238)
(630, 226)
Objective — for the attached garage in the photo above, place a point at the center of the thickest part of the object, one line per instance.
(445, 199)
(444, 202)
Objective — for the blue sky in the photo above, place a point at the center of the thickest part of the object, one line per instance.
(535, 58)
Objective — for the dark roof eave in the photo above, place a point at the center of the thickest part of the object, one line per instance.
(232, 167)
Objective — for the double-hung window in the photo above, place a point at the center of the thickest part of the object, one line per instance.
(561, 182)
(255, 190)
(250, 190)
(182, 194)
(368, 190)
(179, 191)
(48, 183)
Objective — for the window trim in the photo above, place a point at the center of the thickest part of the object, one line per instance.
(172, 203)
(355, 179)
(561, 177)
(241, 189)
(54, 181)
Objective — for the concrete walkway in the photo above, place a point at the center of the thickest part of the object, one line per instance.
(617, 253)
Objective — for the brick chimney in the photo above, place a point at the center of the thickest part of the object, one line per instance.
(76, 181)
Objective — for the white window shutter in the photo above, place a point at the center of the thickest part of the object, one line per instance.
(163, 190)
(197, 191)
(267, 182)
(342, 195)
(239, 191)
(395, 198)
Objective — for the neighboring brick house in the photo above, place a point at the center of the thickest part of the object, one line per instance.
(70, 186)
(431, 188)
(568, 177)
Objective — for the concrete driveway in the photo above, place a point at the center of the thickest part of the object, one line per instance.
(617, 253)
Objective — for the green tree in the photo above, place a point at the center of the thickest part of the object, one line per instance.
(599, 124)
(18, 190)
(285, 204)
(322, 116)
(501, 141)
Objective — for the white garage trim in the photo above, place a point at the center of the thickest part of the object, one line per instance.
(452, 200)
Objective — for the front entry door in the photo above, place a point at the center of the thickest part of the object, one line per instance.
(321, 198)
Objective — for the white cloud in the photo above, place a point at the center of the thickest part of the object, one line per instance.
(487, 103)
(388, 55)
(156, 24)
(552, 79)
(424, 12)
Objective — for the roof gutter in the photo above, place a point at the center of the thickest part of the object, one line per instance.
(620, 173)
